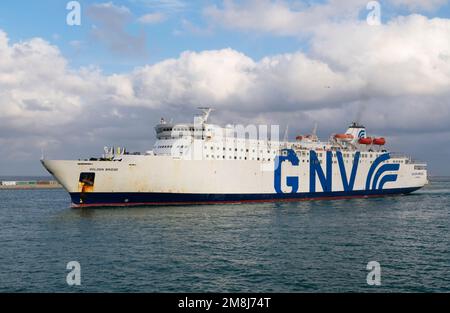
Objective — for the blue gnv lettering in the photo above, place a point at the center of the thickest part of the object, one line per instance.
(316, 170)
(291, 181)
(348, 184)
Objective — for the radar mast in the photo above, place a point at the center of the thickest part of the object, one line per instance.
(206, 112)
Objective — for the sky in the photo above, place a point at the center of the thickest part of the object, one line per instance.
(70, 90)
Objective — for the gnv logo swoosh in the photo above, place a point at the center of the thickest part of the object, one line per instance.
(362, 133)
(378, 184)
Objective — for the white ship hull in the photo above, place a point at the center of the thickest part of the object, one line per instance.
(151, 179)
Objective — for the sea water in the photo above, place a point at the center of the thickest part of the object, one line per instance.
(315, 246)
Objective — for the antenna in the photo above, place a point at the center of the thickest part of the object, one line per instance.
(42, 153)
(206, 112)
(286, 134)
(314, 131)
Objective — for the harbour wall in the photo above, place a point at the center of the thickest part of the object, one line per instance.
(32, 184)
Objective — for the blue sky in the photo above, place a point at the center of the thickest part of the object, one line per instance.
(70, 90)
(24, 19)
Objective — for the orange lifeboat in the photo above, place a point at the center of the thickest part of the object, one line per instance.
(299, 138)
(345, 137)
(365, 141)
(379, 141)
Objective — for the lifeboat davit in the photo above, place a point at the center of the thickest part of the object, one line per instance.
(344, 137)
(365, 141)
(379, 141)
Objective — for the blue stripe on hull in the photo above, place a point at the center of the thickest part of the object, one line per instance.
(125, 199)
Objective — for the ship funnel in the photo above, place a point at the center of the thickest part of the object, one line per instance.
(358, 131)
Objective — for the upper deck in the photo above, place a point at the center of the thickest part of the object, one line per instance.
(202, 140)
(252, 144)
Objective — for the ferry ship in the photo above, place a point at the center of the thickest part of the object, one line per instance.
(202, 163)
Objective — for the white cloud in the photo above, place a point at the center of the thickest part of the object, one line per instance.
(414, 5)
(397, 75)
(299, 18)
(409, 55)
(152, 18)
(281, 17)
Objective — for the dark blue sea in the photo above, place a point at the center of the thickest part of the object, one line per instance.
(318, 246)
